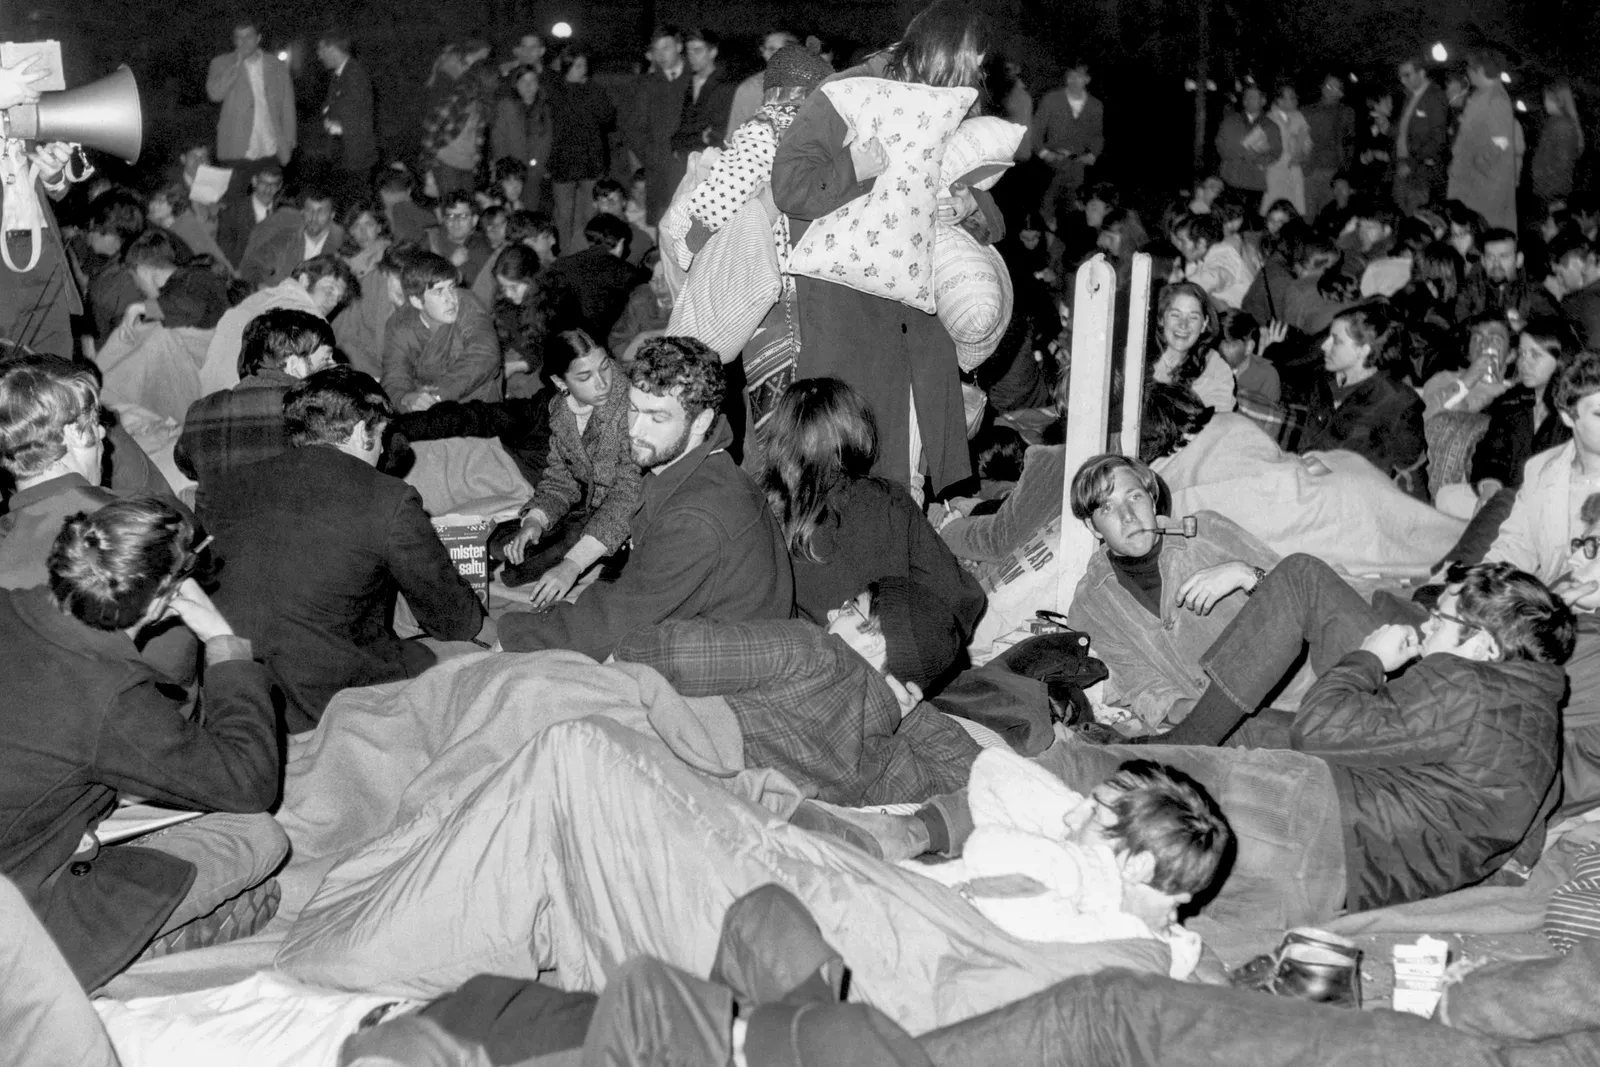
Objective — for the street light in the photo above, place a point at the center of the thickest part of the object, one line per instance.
(1440, 53)
(561, 30)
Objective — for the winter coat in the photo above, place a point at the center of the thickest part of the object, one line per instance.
(1484, 165)
(1441, 773)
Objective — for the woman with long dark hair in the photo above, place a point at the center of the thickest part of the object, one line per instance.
(522, 318)
(900, 359)
(581, 507)
(844, 527)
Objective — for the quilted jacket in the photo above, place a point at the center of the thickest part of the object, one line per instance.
(1441, 774)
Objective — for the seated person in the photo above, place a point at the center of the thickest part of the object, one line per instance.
(844, 527)
(611, 199)
(456, 239)
(1502, 284)
(1186, 335)
(1141, 578)
(705, 544)
(1467, 737)
(87, 719)
(321, 286)
(1524, 422)
(584, 501)
(360, 324)
(1255, 381)
(1155, 827)
(1306, 307)
(1359, 406)
(239, 426)
(837, 708)
(1471, 383)
(1369, 235)
(408, 220)
(175, 296)
(598, 280)
(1547, 533)
(316, 234)
(1209, 261)
(1575, 274)
(442, 344)
(524, 312)
(316, 544)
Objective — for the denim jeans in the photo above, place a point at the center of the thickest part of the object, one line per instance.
(230, 853)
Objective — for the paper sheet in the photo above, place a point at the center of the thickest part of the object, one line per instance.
(210, 183)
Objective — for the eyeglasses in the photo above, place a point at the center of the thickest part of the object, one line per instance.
(851, 606)
(1458, 620)
(1589, 546)
(458, 216)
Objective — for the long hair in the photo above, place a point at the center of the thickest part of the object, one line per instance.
(1561, 92)
(1194, 363)
(944, 46)
(822, 437)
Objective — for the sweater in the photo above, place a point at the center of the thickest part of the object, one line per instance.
(459, 360)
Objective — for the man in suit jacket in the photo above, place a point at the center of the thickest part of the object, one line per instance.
(316, 544)
(1421, 139)
(656, 115)
(257, 123)
(262, 209)
(707, 99)
(1069, 133)
(347, 116)
(36, 305)
(275, 257)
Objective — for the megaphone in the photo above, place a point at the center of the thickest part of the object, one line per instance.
(103, 114)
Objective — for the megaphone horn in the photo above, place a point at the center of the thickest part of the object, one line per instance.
(103, 114)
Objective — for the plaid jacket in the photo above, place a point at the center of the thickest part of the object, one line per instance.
(226, 430)
(810, 706)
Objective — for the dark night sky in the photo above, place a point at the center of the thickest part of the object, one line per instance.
(1143, 48)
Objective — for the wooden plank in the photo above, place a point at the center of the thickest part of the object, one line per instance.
(1133, 355)
(1088, 404)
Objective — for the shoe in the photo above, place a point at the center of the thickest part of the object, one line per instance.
(238, 917)
(1309, 964)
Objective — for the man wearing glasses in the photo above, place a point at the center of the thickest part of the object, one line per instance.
(458, 239)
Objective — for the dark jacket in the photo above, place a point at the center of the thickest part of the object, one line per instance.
(1333, 136)
(1240, 167)
(230, 429)
(457, 361)
(878, 531)
(315, 544)
(1555, 159)
(1521, 295)
(583, 117)
(705, 115)
(1057, 130)
(525, 133)
(349, 103)
(1582, 309)
(86, 717)
(593, 470)
(1441, 773)
(235, 223)
(705, 546)
(1428, 134)
(193, 297)
(594, 283)
(1511, 439)
(1380, 418)
(657, 110)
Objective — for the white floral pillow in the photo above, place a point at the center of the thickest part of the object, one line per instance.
(882, 243)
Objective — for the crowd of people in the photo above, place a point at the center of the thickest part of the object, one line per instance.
(780, 366)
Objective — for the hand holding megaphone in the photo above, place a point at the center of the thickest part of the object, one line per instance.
(18, 83)
(103, 114)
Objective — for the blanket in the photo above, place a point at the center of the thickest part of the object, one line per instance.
(589, 845)
(1352, 516)
(467, 475)
(154, 368)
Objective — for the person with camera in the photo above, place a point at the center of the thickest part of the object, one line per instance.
(38, 295)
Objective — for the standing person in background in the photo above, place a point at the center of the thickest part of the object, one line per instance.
(656, 114)
(582, 117)
(347, 117)
(1486, 162)
(1247, 143)
(1555, 160)
(257, 124)
(36, 305)
(707, 99)
(1286, 175)
(523, 131)
(454, 129)
(529, 51)
(1333, 143)
(1420, 139)
(1069, 133)
(748, 98)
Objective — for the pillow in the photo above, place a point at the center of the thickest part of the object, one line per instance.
(882, 243)
(980, 151)
(732, 285)
(972, 294)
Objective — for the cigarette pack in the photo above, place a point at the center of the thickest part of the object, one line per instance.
(1419, 975)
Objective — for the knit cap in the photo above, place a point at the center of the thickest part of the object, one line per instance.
(795, 66)
(920, 632)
